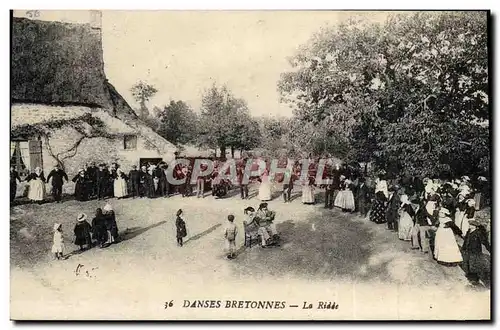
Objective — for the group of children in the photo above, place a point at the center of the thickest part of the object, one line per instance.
(230, 233)
(102, 232)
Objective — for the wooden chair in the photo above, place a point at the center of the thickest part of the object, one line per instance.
(251, 232)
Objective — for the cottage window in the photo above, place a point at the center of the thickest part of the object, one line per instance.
(130, 142)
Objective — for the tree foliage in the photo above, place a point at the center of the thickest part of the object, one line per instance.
(226, 122)
(410, 95)
(142, 93)
(178, 123)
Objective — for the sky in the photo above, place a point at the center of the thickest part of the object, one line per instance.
(182, 53)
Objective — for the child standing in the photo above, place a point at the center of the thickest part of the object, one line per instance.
(82, 232)
(58, 245)
(230, 236)
(180, 224)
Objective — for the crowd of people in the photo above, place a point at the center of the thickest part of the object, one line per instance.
(427, 213)
(106, 181)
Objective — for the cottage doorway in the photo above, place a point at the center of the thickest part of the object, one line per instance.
(25, 156)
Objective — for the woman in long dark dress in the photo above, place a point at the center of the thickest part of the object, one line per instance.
(99, 232)
(80, 186)
(476, 264)
(378, 213)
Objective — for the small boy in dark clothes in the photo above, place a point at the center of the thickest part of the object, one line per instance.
(180, 224)
(82, 232)
(230, 236)
(474, 263)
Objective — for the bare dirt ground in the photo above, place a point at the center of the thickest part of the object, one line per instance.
(322, 252)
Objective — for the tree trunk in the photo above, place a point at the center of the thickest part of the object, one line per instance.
(215, 152)
(366, 169)
(232, 152)
(223, 151)
(144, 110)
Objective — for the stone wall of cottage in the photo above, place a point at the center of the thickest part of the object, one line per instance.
(96, 149)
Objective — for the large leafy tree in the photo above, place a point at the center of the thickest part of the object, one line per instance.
(409, 94)
(178, 123)
(226, 121)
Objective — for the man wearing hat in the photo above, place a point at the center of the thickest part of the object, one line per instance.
(134, 181)
(57, 175)
(103, 177)
(91, 175)
(392, 215)
(475, 264)
(425, 219)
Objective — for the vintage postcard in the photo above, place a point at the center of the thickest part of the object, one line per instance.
(250, 165)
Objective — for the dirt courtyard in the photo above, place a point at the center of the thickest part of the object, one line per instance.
(325, 254)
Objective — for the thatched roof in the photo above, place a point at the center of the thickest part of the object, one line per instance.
(61, 63)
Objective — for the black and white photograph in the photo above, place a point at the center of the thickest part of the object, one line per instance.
(250, 165)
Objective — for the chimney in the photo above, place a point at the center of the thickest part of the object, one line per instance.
(96, 19)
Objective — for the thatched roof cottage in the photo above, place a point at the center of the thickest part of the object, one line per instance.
(63, 108)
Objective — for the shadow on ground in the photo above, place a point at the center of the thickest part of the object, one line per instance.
(204, 233)
(327, 245)
(130, 233)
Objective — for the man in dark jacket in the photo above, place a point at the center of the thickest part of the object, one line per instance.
(134, 181)
(112, 176)
(145, 183)
(159, 174)
(91, 174)
(335, 176)
(418, 185)
(475, 264)
(363, 197)
(102, 181)
(14, 177)
(163, 178)
(57, 176)
(329, 193)
(392, 209)
(425, 230)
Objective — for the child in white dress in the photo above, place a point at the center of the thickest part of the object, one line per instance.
(58, 242)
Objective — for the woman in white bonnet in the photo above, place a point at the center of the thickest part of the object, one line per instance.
(110, 223)
(36, 185)
(120, 184)
(406, 214)
(381, 185)
(445, 246)
(469, 213)
(460, 210)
